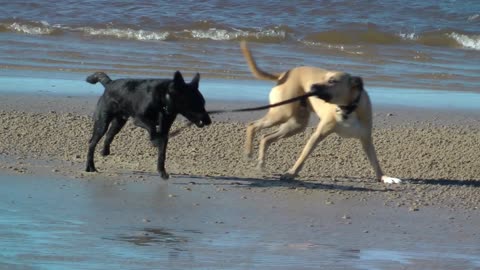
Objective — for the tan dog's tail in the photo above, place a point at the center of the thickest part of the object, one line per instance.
(257, 72)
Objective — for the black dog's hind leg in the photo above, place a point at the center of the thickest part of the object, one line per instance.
(117, 124)
(165, 123)
(99, 129)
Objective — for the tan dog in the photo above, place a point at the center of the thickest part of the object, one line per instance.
(342, 105)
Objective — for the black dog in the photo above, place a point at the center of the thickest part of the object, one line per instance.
(151, 103)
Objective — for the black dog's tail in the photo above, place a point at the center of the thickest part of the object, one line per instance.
(99, 77)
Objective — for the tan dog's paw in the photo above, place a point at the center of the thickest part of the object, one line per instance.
(390, 180)
(288, 177)
(260, 166)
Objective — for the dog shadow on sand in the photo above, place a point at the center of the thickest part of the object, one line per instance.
(444, 182)
(322, 183)
(275, 182)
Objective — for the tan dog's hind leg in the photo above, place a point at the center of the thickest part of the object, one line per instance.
(267, 121)
(324, 128)
(287, 129)
(369, 149)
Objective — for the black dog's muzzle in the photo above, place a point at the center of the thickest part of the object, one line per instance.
(205, 121)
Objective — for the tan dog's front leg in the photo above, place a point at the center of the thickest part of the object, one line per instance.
(369, 149)
(322, 131)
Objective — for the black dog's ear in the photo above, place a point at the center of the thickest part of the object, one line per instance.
(356, 83)
(178, 78)
(196, 80)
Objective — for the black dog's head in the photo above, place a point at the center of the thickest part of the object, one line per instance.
(185, 99)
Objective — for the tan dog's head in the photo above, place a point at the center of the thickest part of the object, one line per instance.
(338, 88)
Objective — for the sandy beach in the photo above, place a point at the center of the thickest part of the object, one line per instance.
(45, 136)
(436, 153)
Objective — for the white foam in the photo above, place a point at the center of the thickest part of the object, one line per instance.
(335, 47)
(125, 33)
(45, 29)
(474, 17)
(408, 36)
(222, 34)
(216, 34)
(469, 42)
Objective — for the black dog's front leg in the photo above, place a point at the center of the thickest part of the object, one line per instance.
(165, 123)
(151, 126)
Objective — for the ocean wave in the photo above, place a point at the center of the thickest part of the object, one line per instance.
(339, 39)
(198, 31)
(346, 49)
(124, 33)
(444, 39)
(353, 36)
(44, 28)
(469, 42)
(474, 17)
(235, 34)
(371, 36)
(33, 28)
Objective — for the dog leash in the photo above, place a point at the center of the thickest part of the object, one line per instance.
(259, 108)
(349, 109)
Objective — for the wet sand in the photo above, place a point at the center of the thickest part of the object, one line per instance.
(335, 199)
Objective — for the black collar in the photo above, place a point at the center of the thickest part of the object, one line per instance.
(168, 107)
(348, 109)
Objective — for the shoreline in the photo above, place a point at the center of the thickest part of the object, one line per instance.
(253, 91)
(84, 104)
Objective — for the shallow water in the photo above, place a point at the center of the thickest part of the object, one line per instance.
(221, 89)
(100, 224)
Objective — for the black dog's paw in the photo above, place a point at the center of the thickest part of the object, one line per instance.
(155, 142)
(105, 152)
(90, 169)
(164, 175)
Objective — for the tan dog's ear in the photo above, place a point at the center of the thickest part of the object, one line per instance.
(356, 83)
(356, 89)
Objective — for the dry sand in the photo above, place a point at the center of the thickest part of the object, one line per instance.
(437, 154)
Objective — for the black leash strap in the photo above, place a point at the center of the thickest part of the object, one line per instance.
(309, 94)
(347, 109)
(302, 97)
